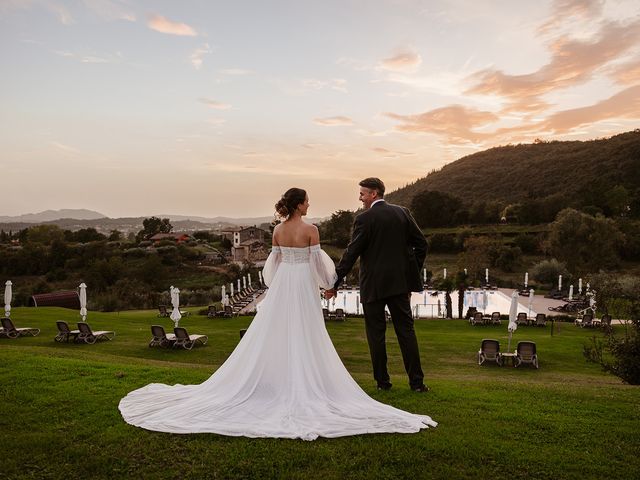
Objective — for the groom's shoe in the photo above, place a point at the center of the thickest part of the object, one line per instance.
(421, 389)
(384, 386)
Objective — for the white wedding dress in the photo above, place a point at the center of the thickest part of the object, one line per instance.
(284, 379)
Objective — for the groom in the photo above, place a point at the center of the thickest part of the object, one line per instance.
(392, 250)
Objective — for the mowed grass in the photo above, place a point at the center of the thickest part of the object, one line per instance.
(59, 415)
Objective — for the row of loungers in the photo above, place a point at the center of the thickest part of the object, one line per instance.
(479, 319)
(84, 334)
(525, 353)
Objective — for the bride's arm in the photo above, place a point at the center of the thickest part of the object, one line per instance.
(321, 264)
(273, 262)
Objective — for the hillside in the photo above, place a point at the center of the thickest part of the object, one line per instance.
(514, 173)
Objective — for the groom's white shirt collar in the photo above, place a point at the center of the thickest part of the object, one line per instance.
(378, 200)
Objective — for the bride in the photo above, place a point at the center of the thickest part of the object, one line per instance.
(284, 379)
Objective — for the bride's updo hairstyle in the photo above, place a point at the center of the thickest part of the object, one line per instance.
(290, 201)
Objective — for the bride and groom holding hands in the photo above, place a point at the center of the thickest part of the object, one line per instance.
(285, 379)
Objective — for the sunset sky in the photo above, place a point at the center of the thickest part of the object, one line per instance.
(140, 107)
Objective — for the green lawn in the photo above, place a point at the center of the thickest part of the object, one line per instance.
(59, 416)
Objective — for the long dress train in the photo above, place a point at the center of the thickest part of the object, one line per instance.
(284, 379)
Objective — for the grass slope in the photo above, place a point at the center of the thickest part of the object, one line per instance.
(567, 420)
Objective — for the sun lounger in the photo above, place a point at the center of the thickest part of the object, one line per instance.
(522, 319)
(340, 315)
(586, 321)
(9, 330)
(64, 332)
(526, 353)
(162, 311)
(541, 320)
(477, 319)
(87, 335)
(489, 350)
(159, 338)
(186, 341)
(495, 318)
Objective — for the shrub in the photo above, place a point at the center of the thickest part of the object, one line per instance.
(547, 271)
(619, 355)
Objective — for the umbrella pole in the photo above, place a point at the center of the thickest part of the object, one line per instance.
(509, 344)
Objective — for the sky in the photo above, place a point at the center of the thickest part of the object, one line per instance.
(200, 107)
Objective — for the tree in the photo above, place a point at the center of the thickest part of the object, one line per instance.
(584, 242)
(153, 225)
(115, 236)
(338, 228)
(434, 209)
(44, 234)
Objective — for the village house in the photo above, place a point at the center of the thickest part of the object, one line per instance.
(247, 243)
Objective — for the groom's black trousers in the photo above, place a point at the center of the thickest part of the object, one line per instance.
(376, 327)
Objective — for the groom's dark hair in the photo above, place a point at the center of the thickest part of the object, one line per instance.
(373, 183)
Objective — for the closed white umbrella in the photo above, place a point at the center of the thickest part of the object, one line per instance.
(424, 275)
(83, 301)
(249, 277)
(175, 302)
(244, 282)
(559, 283)
(260, 276)
(231, 289)
(239, 286)
(530, 302)
(579, 286)
(445, 273)
(526, 279)
(570, 292)
(513, 315)
(7, 298)
(486, 275)
(223, 293)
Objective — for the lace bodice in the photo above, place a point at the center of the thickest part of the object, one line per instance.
(320, 264)
(296, 254)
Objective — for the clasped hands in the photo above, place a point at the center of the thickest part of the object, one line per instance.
(328, 294)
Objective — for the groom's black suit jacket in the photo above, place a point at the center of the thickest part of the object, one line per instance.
(391, 248)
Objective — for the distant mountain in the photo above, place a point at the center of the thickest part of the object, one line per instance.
(514, 173)
(49, 215)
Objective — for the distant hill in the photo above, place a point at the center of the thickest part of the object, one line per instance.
(514, 173)
(49, 215)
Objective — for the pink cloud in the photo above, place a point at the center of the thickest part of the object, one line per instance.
(402, 61)
(456, 122)
(333, 121)
(214, 104)
(627, 73)
(164, 25)
(569, 10)
(624, 104)
(572, 62)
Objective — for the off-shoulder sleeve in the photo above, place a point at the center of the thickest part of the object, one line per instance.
(271, 265)
(322, 267)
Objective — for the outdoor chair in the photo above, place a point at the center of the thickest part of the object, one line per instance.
(477, 319)
(228, 311)
(522, 319)
(541, 320)
(186, 341)
(327, 314)
(64, 332)
(495, 318)
(159, 338)
(87, 335)
(213, 312)
(489, 350)
(9, 330)
(340, 314)
(587, 320)
(526, 353)
(162, 311)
